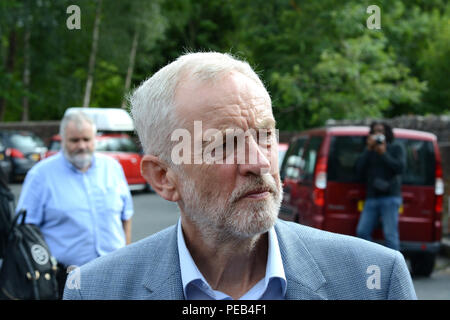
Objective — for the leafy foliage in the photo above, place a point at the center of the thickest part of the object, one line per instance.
(317, 58)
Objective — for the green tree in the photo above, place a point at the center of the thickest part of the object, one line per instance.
(320, 61)
(317, 58)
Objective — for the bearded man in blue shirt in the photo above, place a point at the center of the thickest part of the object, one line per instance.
(229, 242)
(78, 198)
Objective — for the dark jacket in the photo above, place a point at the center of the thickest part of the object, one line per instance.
(380, 171)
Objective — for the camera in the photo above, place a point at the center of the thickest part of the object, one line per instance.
(380, 138)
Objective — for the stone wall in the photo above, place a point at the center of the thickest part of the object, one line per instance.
(44, 129)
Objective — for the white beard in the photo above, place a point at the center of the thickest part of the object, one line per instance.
(224, 219)
(79, 160)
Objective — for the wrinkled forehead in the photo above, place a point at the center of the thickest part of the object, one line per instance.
(231, 101)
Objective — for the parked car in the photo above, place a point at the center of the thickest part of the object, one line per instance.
(322, 190)
(23, 149)
(121, 147)
(5, 162)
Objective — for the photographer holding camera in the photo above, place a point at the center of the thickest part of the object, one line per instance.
(381, 165)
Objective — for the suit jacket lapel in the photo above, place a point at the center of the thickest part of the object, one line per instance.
(303, 275)
(163, 277)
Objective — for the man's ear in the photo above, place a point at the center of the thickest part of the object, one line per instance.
(160, 177)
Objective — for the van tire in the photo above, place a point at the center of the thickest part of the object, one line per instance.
(422, 264)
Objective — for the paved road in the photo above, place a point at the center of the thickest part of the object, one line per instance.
(152, 214)
(436, 287)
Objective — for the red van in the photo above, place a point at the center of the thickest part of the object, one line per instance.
(322, 190)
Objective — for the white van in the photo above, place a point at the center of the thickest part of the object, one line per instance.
(107, 119)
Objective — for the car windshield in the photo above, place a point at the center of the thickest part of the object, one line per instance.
(26, 142)
(345, 150)
(117, 144)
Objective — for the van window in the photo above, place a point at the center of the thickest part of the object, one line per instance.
(310, 158)
(292, 160)
(342, 156)
(420, 162)
(117, 144)
(345, 150)
(281, 154)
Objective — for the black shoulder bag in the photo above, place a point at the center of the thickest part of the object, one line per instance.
(28, 270)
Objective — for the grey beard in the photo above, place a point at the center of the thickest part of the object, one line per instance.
(220, 221)
(80, 161)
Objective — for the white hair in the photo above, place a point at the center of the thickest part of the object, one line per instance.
(153, 105)
(79, 118)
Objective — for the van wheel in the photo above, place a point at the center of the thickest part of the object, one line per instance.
(422, 264)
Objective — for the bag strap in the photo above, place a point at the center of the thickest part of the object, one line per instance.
(8, 204)
(22, 213)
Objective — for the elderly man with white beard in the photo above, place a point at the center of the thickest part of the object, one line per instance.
(228, 242)
(79, 199)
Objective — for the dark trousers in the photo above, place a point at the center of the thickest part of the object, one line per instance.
(386, 209)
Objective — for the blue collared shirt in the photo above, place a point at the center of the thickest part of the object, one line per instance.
(195, 287)
(79, 214)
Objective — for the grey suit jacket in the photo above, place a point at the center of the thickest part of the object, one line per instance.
(317, 264)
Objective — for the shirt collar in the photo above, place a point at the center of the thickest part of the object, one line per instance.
(191, 274)
(274, 268)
